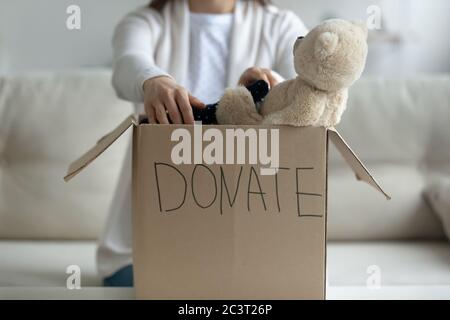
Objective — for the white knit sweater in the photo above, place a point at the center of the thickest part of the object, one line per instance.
(148, 43)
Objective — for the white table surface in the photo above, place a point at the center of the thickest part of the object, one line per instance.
(333, 293)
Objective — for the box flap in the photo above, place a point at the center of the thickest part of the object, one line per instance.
(78, 165)
(353, 161)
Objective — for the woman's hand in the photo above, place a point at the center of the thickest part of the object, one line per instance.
(254, 74)
(164, 99)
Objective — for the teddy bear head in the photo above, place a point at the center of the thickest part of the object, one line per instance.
(332, 56)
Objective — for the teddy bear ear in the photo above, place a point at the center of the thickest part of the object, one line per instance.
(325, 45)
(297, 43)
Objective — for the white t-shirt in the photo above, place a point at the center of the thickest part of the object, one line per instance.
(210, 36)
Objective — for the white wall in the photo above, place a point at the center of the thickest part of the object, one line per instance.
(33, 34)
(422, 26)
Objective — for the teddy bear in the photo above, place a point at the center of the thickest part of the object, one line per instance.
(328, 60)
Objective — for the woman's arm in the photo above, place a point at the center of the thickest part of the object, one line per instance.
(138, 79)
(133, 44)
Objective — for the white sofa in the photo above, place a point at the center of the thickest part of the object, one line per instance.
(398, 127)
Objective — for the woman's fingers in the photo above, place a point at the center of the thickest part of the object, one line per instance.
(150, 112)
(182, 99)
(196, 103)
(164, 99)
(160, 112)
(253, 74)
(172, 108)
(259, 75)
(272, 80)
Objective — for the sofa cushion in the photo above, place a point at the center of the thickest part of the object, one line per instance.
(399, 120)
(46, 121)
(438, 196)
(399, 128)
(357, 212)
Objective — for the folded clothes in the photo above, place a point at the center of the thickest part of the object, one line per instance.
(258, 90)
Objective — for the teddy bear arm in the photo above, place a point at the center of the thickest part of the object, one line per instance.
(282, 117)
(237, 107)
(233, 117)
(301, 114)
(340, 106)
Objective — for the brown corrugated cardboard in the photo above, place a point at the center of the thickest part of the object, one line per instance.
(226, 231)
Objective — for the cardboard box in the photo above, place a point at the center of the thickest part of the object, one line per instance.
(229, 231)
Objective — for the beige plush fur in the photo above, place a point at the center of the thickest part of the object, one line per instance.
(328, 61)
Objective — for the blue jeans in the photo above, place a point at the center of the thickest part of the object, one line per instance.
(121, 278)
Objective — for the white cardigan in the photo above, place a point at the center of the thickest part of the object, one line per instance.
(148, 44)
